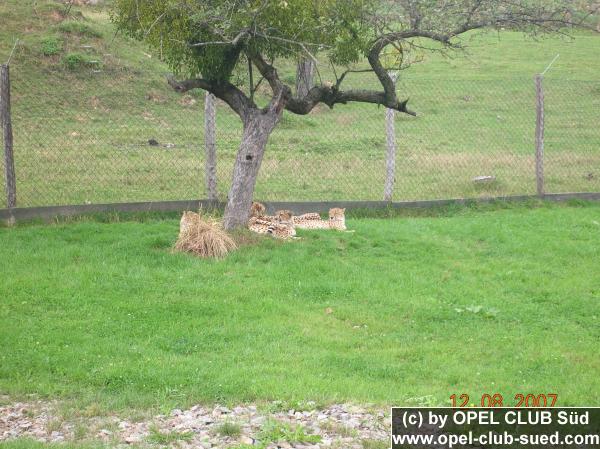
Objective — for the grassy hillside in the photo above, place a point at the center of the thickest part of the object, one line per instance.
(87, 100)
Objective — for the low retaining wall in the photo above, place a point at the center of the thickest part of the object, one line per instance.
(48, 212)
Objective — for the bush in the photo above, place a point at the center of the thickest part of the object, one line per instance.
(203, 237)
(229, 429)
(75, 61)
(51, 46)
(77, 27)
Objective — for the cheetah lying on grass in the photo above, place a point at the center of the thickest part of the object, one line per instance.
(279, 225)
(277, 230)
(312, 220)
(283, 223)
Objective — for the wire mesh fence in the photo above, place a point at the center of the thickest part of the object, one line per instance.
(125, 136)
(3, 198)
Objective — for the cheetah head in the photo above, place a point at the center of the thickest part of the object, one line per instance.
(337, 218)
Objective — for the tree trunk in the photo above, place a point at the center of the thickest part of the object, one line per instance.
(305, 74)
(257, 129)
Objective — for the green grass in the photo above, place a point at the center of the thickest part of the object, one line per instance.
(86, 139)
(229, 429)
(78, 27)
(467, 301)
(77, 61)
(375, 444)
(26, 443)
(51, 46)
(275, 431)
(166, 438)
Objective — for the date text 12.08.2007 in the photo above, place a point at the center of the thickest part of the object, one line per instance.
(498, 400)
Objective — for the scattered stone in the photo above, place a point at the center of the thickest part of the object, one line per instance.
(133, 438)
(187, 100)
(332, 424)
(484, 179)
(56, 436)
(156, 97)
(247, 440)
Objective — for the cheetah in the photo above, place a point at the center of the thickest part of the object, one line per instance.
(337, 220)
(281, 216)
(280, 230)
(279, 225)
(308, 216)
(257, 209)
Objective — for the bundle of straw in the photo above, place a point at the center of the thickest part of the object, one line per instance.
(203, 237)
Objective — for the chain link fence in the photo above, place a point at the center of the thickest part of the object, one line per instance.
(124, 136)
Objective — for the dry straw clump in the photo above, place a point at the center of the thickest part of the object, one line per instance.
(203, 237)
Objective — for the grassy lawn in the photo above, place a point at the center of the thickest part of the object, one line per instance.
(404, 310)
(85, 139)
(31, 444)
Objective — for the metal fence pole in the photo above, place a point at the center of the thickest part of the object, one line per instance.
(539, 134)
(5, 118)
(210, 143)
(390, 160)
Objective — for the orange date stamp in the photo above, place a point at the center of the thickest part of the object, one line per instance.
(497, 400)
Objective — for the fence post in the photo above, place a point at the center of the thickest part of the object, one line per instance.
(210, 144)
(390, 160)
(305, 74)
(5, 118)
(539, 134)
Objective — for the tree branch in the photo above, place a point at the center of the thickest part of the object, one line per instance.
(282, 93)
(234, 97)
(266, 70)
(331, 96)
(186, 85)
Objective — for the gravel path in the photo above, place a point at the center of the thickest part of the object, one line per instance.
(267, 426)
